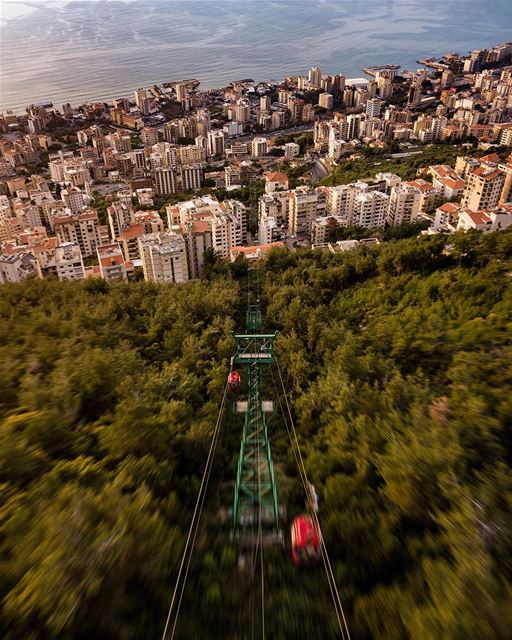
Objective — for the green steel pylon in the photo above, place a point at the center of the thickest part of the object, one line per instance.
(255, 488)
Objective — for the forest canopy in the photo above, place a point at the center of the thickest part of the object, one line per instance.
(398, 364)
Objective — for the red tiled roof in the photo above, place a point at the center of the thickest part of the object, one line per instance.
(422, 185)
(453, 183)
(276, 176)
(483, 172)
(133, 231)
(259, 249)
(449, 207)
(478, 217)
(491, 157)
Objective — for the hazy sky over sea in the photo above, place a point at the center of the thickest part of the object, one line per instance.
(89, 50)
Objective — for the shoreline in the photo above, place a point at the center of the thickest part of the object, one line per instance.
(107, 97)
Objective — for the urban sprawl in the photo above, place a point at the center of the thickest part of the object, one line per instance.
(153, 186)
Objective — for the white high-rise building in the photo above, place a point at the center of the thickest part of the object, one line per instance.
(181, 91)
(265, 103)
(79, 228)
(373, 107)
(238, 211)
(142, 102)
(341, 200)
(354, 125)
(305, 204)
(483, 188)
(370, 210)
(269, 231)
(315, 76)
(259, 147)
(164, 257)
(326, 101)
(165, 181)
(215, 143)
(337, 135)
(404, 204)
(275, 205)
(291, 150)
(224, 233)
(73, 198)
(192, 176)
(242, 111)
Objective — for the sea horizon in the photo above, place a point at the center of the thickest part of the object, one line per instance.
(90, 51)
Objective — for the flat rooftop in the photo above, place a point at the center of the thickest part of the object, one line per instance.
(358, 82)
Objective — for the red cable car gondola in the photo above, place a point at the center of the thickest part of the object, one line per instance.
(234, 382)
(305, 540)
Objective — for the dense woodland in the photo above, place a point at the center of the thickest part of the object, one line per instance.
(379, 161)
(398, 362)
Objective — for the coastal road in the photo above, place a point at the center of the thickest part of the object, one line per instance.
(319, 170)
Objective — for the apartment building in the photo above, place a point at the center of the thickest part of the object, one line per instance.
(164, 257)
(151, 221)
(224, 233)
(215, 143)
(190, 154)
(315, 76)
(326, 101)
(274, 205)
(69, 264)
(370, 210)
(192, 176)
(322, 228)
(483, 189)
(373, 107)
(341, 200)
(128, 240)
(198, 239)
(73, 199)
(238, 213)
(111, 261)
(142, 102)
(165, 181)
(119, 216)
(305, 204)
(79, 228)
(404, 204)
(506, 192)
(149, 136)
(291, 150)
(259, 147)
(16, 267)
(428, 194)
(269, 230)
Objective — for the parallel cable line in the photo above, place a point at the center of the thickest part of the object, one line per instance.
(194, 527)
(260, 533)
(305, 481)
(340, 614)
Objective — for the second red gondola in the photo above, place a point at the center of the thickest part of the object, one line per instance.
(306, 540)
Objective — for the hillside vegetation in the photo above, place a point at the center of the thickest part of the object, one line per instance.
(398, 362)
